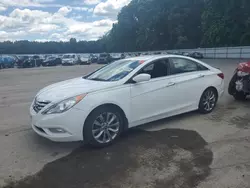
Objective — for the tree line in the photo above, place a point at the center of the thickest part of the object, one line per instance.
(159, 25)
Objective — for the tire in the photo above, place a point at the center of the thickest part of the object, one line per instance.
(231, 87)
(240, 96)
(92, 130)
(208, 101)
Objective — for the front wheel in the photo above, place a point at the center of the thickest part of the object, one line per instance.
(240, 96)
(103, 126)
(208, 101)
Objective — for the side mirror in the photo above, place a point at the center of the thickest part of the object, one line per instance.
(142, 78)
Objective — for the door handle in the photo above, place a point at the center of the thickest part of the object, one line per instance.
(170, 84)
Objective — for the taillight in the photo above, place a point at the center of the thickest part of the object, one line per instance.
(221, 75)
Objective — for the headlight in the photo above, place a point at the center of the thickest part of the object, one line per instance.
(64, 105)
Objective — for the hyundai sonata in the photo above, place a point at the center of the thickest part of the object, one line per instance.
(98, 107)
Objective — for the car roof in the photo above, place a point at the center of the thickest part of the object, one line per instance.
(154, 57)
(139, 58)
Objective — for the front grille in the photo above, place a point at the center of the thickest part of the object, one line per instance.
(39, 105)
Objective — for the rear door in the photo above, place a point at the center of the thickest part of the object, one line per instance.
(190, 80)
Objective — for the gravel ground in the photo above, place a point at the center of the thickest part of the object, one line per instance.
(184, 151)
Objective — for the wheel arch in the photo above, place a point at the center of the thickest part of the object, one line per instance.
(212, 87)
(200, 108)
(115, 106)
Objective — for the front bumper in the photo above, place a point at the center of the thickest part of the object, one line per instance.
(71, 122)
(221, 89)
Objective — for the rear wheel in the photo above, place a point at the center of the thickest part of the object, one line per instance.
(208, 101)
(103, 126)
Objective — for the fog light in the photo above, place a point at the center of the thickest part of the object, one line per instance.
(57, 130)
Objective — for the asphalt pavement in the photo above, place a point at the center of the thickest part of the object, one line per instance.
(190, 150)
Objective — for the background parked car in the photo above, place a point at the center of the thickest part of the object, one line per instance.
(36, 60)
(84, 60)
(52, 61)
(123, 56)
(93, 58)
(7, 61)
(70, 59)
(104, 58)
(115, 57)
(196, 55)
(186, 54)
(21, 61)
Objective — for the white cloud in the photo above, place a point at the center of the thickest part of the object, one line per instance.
(41, 40)
(90, 9)
(11, 35)
(91, 2)
(43, 28)
(29, 3)
(2, 9)
(19, 3)
(77, 17)
(89, 31)
(28, 15)
(64, 10)
(11, 23)
(104, 23)
(110, 8)
(80, 8)
(44, 1)
(38, 24)
(55, 36)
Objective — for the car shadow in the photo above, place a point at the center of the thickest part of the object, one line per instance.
(167, 158)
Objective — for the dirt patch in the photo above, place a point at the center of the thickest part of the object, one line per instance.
(221, 113)
(167, 158)
(241, 121)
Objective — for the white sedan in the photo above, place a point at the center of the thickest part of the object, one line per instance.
(98, 107)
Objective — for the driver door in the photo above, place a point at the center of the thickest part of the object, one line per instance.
(151, 100)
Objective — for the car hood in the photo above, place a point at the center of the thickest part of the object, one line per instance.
(70, 88)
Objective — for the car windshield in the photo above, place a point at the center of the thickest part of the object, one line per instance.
(114, 71)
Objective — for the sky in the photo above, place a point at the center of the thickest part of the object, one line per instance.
(57, 20)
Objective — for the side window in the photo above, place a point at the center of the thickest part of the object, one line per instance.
(156, 69)
(181, 65)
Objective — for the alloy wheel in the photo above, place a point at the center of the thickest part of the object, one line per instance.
(209, 100)
(106, 127)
